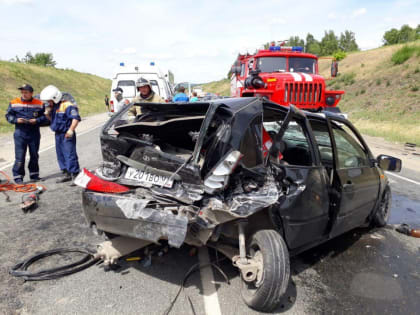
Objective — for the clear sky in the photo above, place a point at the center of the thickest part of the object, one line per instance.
(197, 40)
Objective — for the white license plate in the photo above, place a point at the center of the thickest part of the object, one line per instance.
(148, 178)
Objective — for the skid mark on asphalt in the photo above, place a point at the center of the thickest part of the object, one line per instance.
(211, 300)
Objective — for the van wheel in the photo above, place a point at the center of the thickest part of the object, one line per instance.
(381, 216)
(264, 293)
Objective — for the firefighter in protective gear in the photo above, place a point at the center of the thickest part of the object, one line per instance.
(27, 114)
(146, 95)
(64, 117)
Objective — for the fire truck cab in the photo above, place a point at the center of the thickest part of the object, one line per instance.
(285, 75)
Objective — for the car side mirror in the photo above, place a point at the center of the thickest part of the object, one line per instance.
(389, 163)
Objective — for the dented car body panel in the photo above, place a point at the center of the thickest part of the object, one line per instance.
(195, 170)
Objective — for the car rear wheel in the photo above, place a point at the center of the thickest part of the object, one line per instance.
(267, 248)
(381, 216)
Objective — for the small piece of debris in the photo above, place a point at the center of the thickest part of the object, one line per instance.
(395, 275)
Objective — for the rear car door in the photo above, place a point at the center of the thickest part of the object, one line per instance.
(304, 207)
(356, 177)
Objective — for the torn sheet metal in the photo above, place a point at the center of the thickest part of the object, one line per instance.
(246, 204)
(142, 221)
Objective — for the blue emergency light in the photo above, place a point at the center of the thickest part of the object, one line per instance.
(297, 48)
(121, 64)
(275, 48)
(152, 63)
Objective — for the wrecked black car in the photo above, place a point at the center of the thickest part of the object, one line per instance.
(255, 180)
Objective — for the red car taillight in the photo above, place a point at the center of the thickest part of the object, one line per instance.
(92, 182)
(111, 108)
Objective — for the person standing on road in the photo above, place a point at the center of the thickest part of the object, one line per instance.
(27, 114)
(64, 117)
(118, 93)
(180, 96)
(194, 97)
(146, 95)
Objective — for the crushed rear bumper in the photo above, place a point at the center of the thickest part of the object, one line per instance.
(130, 216)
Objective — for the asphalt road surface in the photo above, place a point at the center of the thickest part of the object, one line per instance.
(363, 272)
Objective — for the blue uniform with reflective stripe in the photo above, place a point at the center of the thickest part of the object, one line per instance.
(62, 116)
(26, 135)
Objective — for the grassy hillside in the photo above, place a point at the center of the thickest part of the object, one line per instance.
(382, 99)
(88, 90)
(221, 87)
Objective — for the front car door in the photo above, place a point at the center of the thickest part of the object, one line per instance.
(356, 179)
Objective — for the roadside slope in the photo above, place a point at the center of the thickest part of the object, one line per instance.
(382, 99)
(88, 90)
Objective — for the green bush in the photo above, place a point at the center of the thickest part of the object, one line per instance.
(339, 55)
(414, 88)
(388, 83)
(378, 81)
(363, 91)
(405, 53)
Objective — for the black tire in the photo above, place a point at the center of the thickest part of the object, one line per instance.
(265, 292)
(381, 216)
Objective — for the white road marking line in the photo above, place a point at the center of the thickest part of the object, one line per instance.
(404, 178)
(51, 146)
(211, 301)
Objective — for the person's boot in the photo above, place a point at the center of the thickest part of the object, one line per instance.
(73, 177)
(65, 178)
(35, 179)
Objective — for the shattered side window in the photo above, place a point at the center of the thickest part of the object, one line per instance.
(251, 145)
(322, 137)
(295, 147)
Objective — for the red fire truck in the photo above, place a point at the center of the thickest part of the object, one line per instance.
(285, 75)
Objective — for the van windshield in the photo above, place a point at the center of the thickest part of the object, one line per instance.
(128, 87)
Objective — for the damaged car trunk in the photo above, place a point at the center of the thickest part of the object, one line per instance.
(189, 167)
(253, 179)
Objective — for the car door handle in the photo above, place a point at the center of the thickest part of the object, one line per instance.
(348, 187)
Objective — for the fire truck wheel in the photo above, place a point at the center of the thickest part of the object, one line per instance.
(264, 294)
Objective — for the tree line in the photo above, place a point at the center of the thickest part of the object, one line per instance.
(328, 45)
(40, 59)
(404, 35)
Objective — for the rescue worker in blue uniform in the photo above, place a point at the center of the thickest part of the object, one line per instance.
(64, 116)
(27, 114)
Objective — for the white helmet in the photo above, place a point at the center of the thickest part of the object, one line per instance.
(51, 93)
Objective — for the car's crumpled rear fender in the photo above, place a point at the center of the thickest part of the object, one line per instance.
(134, 217)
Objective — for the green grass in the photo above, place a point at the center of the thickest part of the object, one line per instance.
(405, 53)
(87, 89)
(221, 87)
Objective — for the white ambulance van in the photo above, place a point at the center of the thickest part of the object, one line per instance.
(126, 76)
